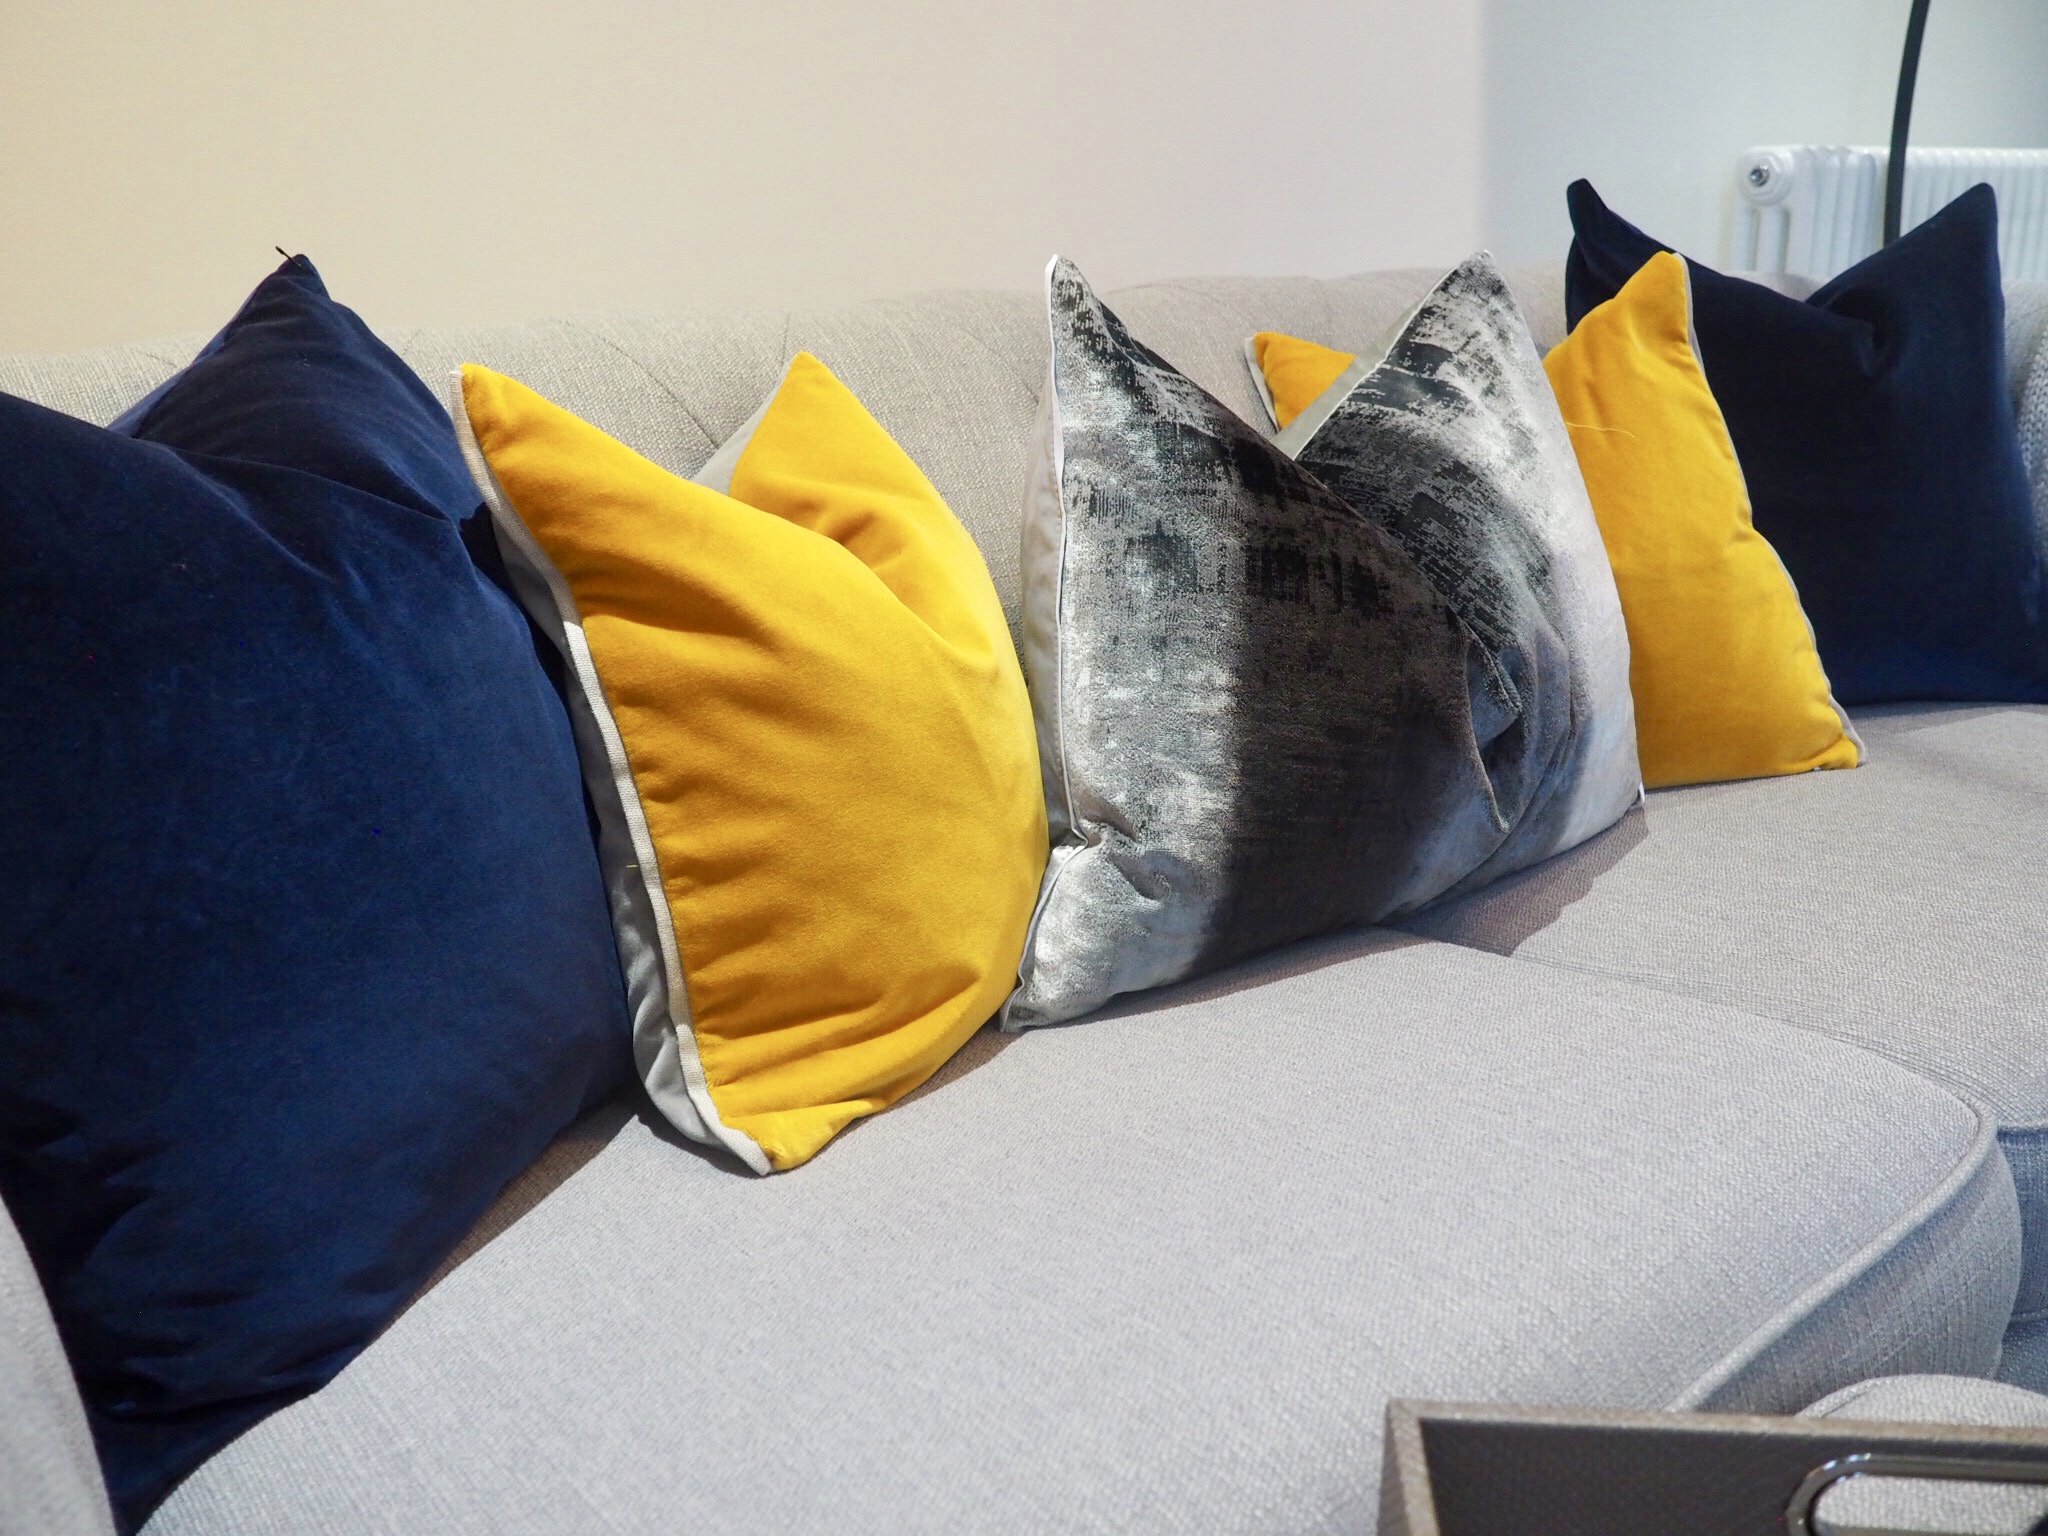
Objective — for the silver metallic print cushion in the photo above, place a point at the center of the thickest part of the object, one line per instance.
(1255, 712)
(1452, 443)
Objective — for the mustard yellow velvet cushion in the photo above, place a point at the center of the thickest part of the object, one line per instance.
(1295, 371)
(1722, 664)
(807, 734)
(1727, 682)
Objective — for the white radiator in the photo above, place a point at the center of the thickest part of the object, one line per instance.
(1816, 209)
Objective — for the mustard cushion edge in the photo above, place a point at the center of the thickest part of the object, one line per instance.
(1295, 436)
(664, 1034)
(1568, 366)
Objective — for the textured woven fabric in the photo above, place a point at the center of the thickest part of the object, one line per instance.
(1934, 1400)
(2026, 325)
(1903, 906)
(1124, 1297)
(1113, 1280)
(1911, 1505)
(2024, 1355)
(49, 1478)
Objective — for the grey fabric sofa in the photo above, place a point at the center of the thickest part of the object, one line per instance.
(1734, 1107)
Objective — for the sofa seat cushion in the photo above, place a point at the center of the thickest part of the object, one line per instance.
(1903, 907)
(1162, 1271)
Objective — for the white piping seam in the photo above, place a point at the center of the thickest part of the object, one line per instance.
(1061, 856)
(1865, 1261)
(1259, 385)
(1058, 426)
(717, 471)
(591, 691)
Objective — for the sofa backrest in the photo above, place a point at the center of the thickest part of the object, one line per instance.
(953, 376)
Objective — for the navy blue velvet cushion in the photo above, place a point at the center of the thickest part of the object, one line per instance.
(1878, 440)
(304, 951)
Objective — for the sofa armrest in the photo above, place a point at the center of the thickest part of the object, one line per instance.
(49, 1475)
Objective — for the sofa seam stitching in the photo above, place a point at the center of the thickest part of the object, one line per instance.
(1807, 1303)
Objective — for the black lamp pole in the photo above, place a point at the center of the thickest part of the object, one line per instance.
(1902, 116)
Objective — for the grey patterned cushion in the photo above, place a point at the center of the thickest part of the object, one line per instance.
(1256, 715)
(1452, 442)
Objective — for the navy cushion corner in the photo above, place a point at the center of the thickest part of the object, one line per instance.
(1880, 448)
(306, 953)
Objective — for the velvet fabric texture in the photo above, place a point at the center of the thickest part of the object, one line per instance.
(1878, 441)
(808, 741)
(1453, 444)
(1722, 663)
(1255, 713)
(305, 952)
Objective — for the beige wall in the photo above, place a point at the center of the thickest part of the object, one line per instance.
(457, 160)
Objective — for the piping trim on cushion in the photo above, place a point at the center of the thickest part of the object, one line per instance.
(1043, 564)
(1259, 385)
(1295, 436)
(664, 1036)
(1982, 1150)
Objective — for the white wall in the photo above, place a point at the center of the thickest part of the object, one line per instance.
(474, 160)
(1654, 99)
